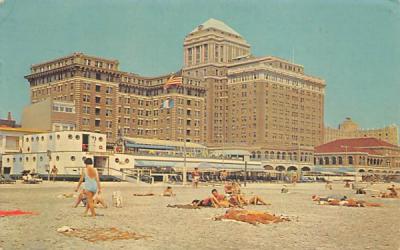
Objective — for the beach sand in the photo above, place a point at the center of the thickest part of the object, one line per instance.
(312, 226)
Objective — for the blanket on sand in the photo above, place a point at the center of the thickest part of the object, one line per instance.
(4, 213)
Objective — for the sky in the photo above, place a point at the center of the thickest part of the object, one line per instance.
(352, 44)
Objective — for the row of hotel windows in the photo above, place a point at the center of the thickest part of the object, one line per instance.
(98, 88)
(61, 108)
(276, 78)
(53, 65)
(98, 64)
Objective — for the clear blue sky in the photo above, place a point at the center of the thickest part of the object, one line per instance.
(353, 45)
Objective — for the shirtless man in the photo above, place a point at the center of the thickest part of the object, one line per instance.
(196, 177)
(218, 200)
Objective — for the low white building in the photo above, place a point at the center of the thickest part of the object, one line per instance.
(65, 149)
(11, 140)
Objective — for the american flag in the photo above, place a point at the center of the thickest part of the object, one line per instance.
(173, 81)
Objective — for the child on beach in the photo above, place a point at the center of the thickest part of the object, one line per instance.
(168, 192)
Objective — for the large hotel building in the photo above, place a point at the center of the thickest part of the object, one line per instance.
(223, 97)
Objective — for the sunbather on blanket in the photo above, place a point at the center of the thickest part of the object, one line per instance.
(344, 201)
(249, 216)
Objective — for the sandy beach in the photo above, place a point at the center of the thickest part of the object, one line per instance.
(312, 226)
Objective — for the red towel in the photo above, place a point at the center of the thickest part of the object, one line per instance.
(14, 213)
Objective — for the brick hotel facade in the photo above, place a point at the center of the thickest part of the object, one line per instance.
(226, 98)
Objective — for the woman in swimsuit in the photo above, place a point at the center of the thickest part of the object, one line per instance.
(91, 180)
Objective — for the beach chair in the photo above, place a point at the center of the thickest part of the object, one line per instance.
(7, 179)
(2, 180)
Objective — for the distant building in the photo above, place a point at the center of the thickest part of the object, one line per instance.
(9, 122)
(363, 154)
(349, 129)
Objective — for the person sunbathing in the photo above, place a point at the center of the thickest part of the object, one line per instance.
(328, 198)
(168, 192)
(145, 194)
(219, 200)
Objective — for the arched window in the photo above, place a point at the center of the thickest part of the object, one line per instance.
(283, 155)
(340, 160)
(333, 160)
(278, 155)
(350, 158)
(266, 155)
(326, 160)
(272, 154)
(321, 161)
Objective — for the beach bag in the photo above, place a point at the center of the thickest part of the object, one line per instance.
(117, 199)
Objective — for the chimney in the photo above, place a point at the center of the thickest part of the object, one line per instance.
(9, 118)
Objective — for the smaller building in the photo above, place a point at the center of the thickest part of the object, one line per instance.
(11, 140)
(65, 150)
(54, 115)
(362, 154)
(9, 122)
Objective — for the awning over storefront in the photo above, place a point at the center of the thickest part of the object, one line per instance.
(132, 145)
(154, 163)
(339, 169)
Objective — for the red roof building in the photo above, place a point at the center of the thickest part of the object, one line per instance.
(365, 154)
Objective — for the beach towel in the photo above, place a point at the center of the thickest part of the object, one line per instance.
(100, 234)
(185, 206)
(4, 213)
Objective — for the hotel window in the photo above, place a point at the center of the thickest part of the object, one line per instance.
(109, 90)
(97, 111)
(86, 110)
(86, 98)
(97, 123)
(108, 101)
(97, 99)
(205, 52)
(98, 88)
(108, 112)
(109, 124)
(190, 55)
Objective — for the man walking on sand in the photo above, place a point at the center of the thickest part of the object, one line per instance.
(54, 172)
(196, 177)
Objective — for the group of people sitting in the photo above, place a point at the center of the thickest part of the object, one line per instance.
(232, 198)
